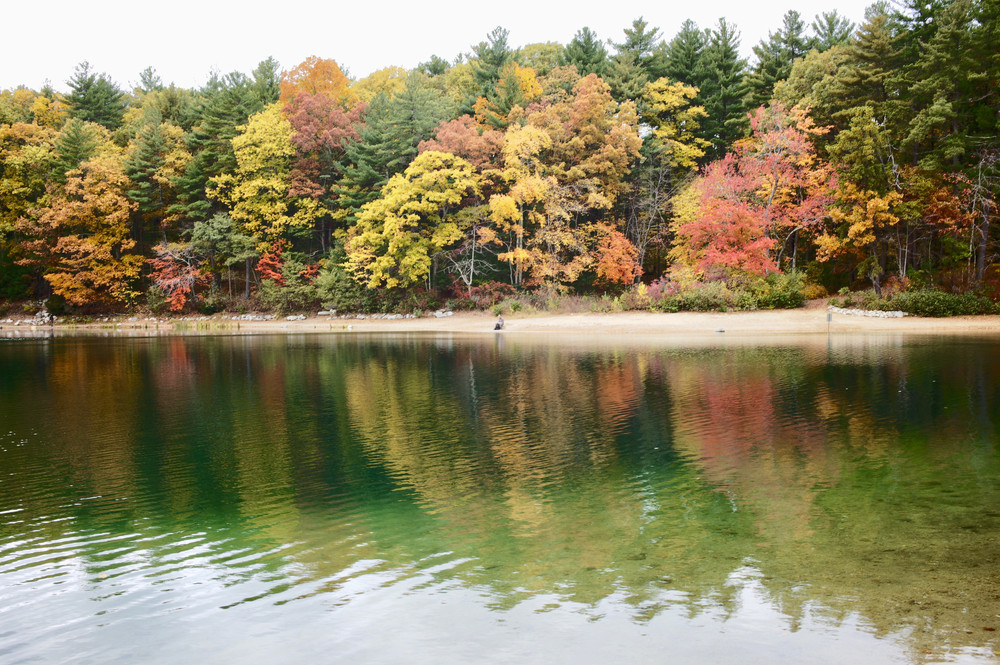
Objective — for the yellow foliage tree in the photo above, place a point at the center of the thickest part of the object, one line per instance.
(675, 122)
(390, 81)
(417, 216)
(257, 192)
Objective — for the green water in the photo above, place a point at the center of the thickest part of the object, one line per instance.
(335, 499)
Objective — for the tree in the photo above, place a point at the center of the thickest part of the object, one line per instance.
(870, 74)
(490, 58)
(387, 142)
(775, 58)
(944, 87)
(26, 155)
(256, 191)
(641, 42)
(416, 217)
(675, 122)
(542, 57)
(176, 272)
(830, 29)
(867, 198)
(685, 53)
(155, 158)
(81, 238)
(586, 52)
(76, 143)
(747, 210)
(563, 173)
(95, 98)
(318, 76)
(626, 77)
(389, 81)
(226, 104)
(516, 88)
(321, 130)
(464, 138)
(723, 89)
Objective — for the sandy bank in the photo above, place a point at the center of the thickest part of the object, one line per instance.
(808, 320)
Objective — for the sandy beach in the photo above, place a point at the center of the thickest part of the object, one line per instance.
(809, 320)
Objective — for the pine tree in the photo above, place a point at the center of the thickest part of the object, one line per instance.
(945, 88)
(830, 29)
(77, 142)
(626, 77)
(388, 140)
(149, 80)
(227, 102)
(587, 53)
(490, 58)
(870, 76)
(641, 41)
(775, 58)
(723, 90)
(95, 98)
(685, 53)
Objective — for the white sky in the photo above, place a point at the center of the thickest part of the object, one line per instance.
(184, 40)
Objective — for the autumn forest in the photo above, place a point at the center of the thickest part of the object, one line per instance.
(648, 170)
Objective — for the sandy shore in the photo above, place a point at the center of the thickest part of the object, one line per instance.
(809, 320)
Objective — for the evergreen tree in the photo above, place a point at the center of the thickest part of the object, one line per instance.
(388, 140)
(149, 80)
(775, 58)
(830, 29)
(685, 53)
(587, 53)
(434, 67)
(626, 77)
(490, 58)
(227, 102)
(77, 142)
(267, 82)
(945, 89)
(870, 75)
(95, 98)
(641, 42)
(723, 89)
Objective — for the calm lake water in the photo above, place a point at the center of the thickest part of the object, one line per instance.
(351, 499)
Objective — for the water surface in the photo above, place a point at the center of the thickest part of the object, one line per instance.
(435, 499)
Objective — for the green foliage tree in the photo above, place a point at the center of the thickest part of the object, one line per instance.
(586, 52)
(95, 98)
(723, 89)
(775, 57)
(830, 29)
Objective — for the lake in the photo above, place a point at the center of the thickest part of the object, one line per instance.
(499, 499)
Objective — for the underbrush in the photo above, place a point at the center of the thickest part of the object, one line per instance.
(921, 302)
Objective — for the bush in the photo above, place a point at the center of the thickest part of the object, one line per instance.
(337, 290)
(926, 302)
(211, 304)
(780, 291)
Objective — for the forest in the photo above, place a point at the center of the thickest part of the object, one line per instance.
(639, 172)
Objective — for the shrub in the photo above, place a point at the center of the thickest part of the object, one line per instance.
(814, 291)
(491, 293)
(780, 291)
(932, 303)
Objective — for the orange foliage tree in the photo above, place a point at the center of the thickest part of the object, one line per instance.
(318, 76)
(81, 237)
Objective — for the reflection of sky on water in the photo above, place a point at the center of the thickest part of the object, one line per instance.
(486, 503)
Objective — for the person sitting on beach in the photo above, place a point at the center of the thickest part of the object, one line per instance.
(499, 325)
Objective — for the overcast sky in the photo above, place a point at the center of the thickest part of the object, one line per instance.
(185, 40)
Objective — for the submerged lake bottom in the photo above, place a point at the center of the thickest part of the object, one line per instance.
(447, 499)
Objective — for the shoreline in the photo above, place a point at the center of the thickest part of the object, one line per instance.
(808, 320)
